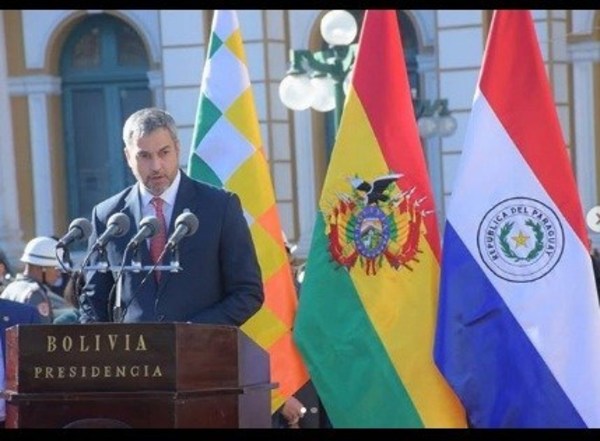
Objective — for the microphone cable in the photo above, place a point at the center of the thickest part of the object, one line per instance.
(62, 264)
(85, 262)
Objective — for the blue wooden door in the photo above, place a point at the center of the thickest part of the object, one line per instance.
(104, 68)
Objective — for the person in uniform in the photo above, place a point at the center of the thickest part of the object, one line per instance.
(34, 285)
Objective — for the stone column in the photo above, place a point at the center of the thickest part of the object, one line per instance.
(10, 223)
(37, 89)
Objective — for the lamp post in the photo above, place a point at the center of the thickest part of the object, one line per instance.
(317, 79)
(320, 79)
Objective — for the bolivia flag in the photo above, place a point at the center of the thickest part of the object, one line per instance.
(227, 152)
(368, 304)
(519, 326)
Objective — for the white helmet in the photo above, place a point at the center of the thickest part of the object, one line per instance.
(41, 251)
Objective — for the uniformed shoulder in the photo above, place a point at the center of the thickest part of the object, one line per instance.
(11, 306)
(20, 290)
(36, 295)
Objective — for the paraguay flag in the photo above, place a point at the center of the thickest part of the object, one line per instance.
(366, 318)
(518, 334)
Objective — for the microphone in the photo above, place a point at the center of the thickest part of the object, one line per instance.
(186, 224)
(80, 229)
(117, 226)
(149, 226)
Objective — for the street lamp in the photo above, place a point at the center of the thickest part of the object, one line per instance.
(321, 79)
(317, 79)
(433, 117)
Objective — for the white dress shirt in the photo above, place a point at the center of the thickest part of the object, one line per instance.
(168, 196)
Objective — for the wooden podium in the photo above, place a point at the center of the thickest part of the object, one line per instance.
(142, 375)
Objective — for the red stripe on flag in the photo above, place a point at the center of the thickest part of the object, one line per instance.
(392, 115)
(516, 86)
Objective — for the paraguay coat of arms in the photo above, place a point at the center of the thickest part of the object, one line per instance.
(520, 239)
(375, 224)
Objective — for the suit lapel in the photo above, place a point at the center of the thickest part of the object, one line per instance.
(133, 209)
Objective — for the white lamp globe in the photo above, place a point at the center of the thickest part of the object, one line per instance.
(338, 27)
(324, 92)
(296, 92)
(446, 125)
(427, 126)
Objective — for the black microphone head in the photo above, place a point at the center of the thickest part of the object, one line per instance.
(189, 220)
(121, 222)
(152, 223)
(83, 226)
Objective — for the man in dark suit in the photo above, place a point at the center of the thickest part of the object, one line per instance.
(11, 314)
(220, 279)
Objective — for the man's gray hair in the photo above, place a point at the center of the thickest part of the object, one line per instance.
(145, 121)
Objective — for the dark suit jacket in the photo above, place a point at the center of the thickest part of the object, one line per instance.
(596, 267)
(220, 281)
(15, 313)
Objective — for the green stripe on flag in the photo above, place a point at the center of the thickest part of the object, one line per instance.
(215, 44)
(202, 172)
(330, 310)
(208, 115)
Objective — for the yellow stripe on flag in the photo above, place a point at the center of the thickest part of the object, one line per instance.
(361, 154)
(235, 44)
(243, 116)
(270, 255)
(248, 180)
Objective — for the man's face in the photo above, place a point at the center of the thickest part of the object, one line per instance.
(51, 274)
(154, 160)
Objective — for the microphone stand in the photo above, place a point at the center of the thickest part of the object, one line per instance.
(175, 267)
(135, 267)
(103, 265)
(117, 310)
(136, 262)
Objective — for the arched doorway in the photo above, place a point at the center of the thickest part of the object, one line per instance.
(104, 67)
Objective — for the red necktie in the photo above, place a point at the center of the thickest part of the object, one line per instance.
(158, 241)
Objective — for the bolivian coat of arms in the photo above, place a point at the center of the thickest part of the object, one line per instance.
(375, 224)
